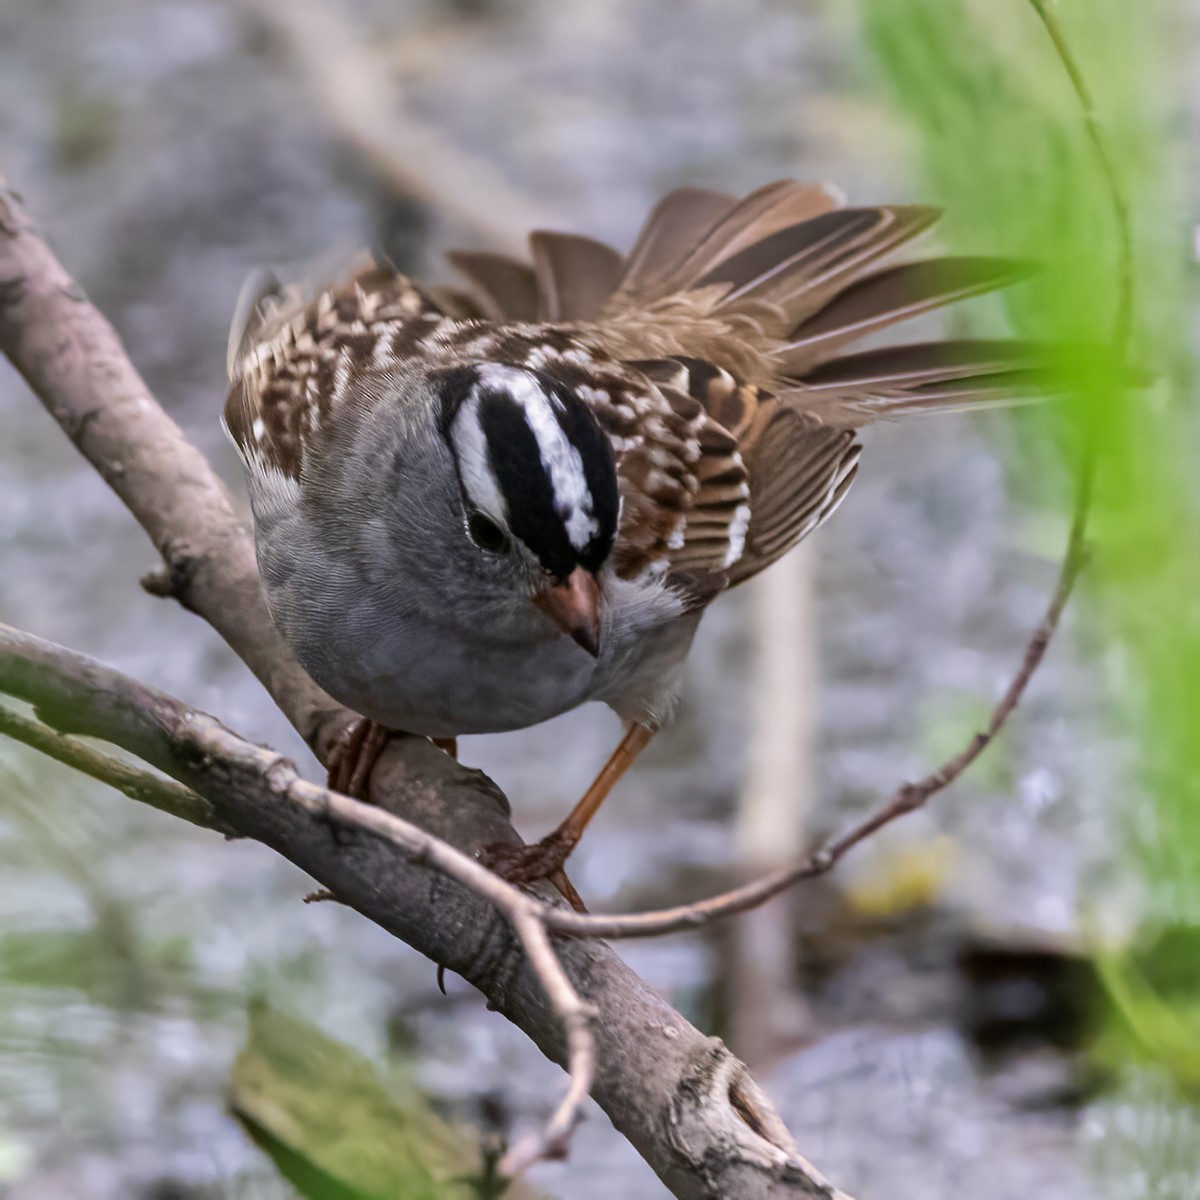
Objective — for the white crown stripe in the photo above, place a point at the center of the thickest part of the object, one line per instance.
(478, 480)
(573, 497)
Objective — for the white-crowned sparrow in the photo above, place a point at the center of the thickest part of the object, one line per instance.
(474, 512)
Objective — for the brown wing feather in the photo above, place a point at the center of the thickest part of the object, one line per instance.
(799, 268)
(715, 522)
(922, 377)
(800, 469)
(656, 447)
(788, 255)
(575, 275)
(785, 280)
(758, 275)
(762, 214)
(904, 224)
(296, 361)
(764, 476)
(505, 288)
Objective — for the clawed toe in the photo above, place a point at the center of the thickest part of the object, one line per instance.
(528, 864)
(354, 755)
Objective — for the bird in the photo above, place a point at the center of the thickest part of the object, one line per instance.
(478, 507)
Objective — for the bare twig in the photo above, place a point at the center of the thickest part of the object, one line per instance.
(529, 923)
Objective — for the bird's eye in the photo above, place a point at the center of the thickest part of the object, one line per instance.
(485, 533)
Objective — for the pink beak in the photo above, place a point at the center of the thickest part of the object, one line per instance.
(574, 606)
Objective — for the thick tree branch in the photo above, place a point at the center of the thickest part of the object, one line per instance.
(686, 1104)
(73, 361)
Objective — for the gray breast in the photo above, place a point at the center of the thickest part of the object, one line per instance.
(425, 676)
(411, 661)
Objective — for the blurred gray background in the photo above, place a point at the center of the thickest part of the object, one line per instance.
(919, 1036)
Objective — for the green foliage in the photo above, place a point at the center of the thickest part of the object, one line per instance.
(1046, 131)
(1154, 991)
(334, 1131)
(1005, 144)
(107, 957)
(93, 962)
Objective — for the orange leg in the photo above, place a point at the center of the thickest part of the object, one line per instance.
(545, 859)
(568, 834)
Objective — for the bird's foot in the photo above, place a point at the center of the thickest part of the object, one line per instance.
(354, 755)
(543, 860)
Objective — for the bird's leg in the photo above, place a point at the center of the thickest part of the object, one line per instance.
(545, 859)
(353, 756)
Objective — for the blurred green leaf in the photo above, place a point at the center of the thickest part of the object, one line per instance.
(1004, 144)
(125, 971)
(335, 1132)
(1154, 991)
(76, 959)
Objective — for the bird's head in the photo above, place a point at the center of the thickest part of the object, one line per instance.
(538, 487)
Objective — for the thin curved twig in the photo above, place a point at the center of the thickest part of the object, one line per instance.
(551, 1141)
(1123, 316)
(907, 797)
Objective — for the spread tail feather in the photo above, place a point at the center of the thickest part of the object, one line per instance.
(798, 275)
(685, 238)
(886, 297)
(506, 288)
(855, 389)
(575, 275)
